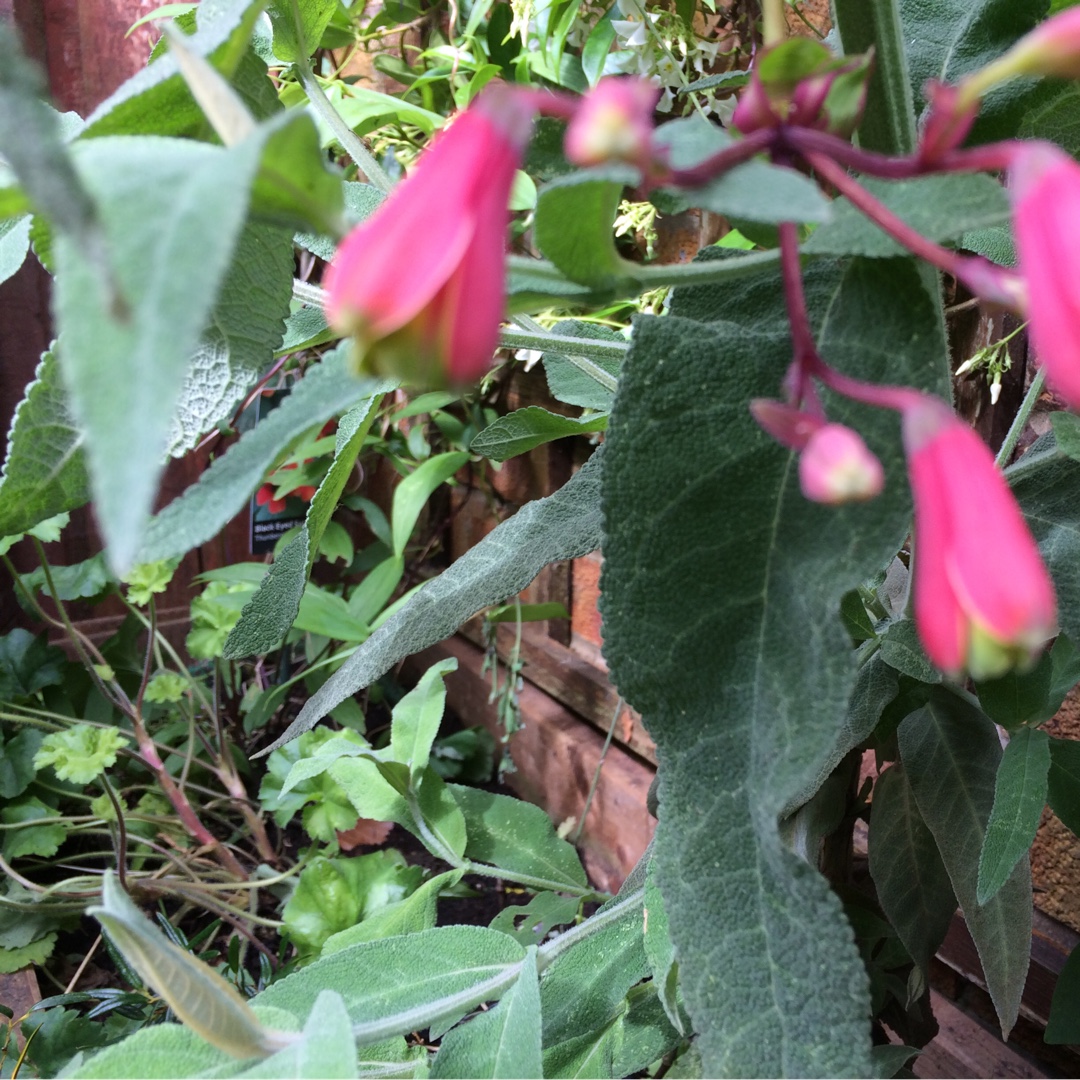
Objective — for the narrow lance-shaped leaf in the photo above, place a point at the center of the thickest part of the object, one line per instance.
(911, 881)
(269, 614)
(194, 991)
(951, 754)
(561, 526)
(1019, 798)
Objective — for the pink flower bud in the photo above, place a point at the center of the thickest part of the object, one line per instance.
(1045, 189)
(788, 425)
(421, 283)
(614, 122)
(983, 598)
(837, 467)
(947, 121)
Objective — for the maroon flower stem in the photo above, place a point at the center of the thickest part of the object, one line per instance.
(808, 363)
(993, 283)
(735, 154)
(993, 157)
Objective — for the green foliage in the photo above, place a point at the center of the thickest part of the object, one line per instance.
(524, 430)
(27, 664)
(43, 471)
(951, 755)
(740, 756)
(80, 753)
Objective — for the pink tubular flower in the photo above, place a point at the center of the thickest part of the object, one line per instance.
(837, 467)
(983, 598)
(614, 122)
(421, 284)
(1045, 189)
(1052, 48)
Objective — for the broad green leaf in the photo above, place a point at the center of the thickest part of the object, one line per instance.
(381, 791)
(193, 990)
(416, 719)
(521, 431)
(205, 508)
(32, 828)
(754, 191)
(569, 380)
(1018, 698)
(502, 1042)
(369, 597)
(742, 729)
(270, 613)
(28, 663)
(409, 916)
(14, 244)
(172, 211)
(408, 982)
(161, 1052)
(156, 99)
(290, 42)
(516, 836)
(361, 201)
(244, 329)
(1056, 118)
(561, 526)
(585, 985)
(531, 923)
(17, 766)
(901, 649)
(324, 1051)
(43, 471)
(947, 39)
(1063, 782)
(535, 285)
(412, 494)
(911, 881)
(574, 215)
(588, 1055)
(875, 686)
(1064, 1023)
(32, 143)
(941, 208)
(1019, 798)
(364, 110)
(34, 953)
(951, 755)
(888, 123)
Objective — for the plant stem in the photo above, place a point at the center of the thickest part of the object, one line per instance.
(1021, 419)
(350, 141)
(596, 773)
(774, 25)
(538, 884)
(544, 340)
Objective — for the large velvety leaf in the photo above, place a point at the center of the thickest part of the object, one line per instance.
(43, 471)
(245, 328)
(1063, 790)
(222, 490)
(1064, 1023)
(504, 1041)
(156, 99)
(1057, 119)
(314, 17)
(561, 526)
(951, 754)
(947, 39)
(939, 207)
(172, 211)
(408, 983)
(720, 596)
(912, 883)
(1019, 798)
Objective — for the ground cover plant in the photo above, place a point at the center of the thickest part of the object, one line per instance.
(807, 554)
